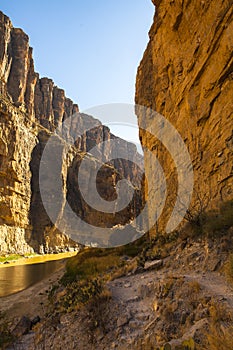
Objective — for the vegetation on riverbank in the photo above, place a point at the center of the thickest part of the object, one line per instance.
(34, 258)
(15, 257)
(87, 273)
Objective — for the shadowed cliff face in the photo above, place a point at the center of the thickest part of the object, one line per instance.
(31, 108)
(106, 182)
(186, 75)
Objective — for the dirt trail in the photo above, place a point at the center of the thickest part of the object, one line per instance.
(215, 284)
(127, 289)
(133, 292)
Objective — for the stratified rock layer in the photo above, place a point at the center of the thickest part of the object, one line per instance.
(186, 75)
(31, 108)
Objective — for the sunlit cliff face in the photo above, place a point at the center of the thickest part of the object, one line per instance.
(185, 75)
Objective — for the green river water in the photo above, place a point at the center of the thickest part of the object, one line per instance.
(17, 277)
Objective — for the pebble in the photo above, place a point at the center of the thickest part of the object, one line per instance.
(143, 317)
(123, 320)
(133, 299)
(133, 324)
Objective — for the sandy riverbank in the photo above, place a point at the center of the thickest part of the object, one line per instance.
(31, 301)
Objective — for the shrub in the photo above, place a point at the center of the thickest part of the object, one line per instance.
(12, 257)
(90, 263)
(88, 271)
(219, 220)
(81, 292)
(220, 338)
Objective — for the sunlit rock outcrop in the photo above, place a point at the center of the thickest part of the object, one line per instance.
(186, 75)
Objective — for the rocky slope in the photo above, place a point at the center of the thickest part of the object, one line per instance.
(31, 108)
(186, 75)
(182, 301)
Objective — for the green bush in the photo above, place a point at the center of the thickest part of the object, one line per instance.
(218, 220)
(90, 263)
(9, 258)
(79, 293)
(87, 272)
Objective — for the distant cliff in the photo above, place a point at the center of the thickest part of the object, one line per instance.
(186, 75)
(30, 109)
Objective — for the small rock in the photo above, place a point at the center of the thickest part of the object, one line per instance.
(125, 258)
(127, 285)
(133, 324)
(100, 337)
(222, 299)
(202, 314)
(133, 299)
(183, 245)
(153, 265)
(143, 317)
(22, 327)
(123, 320)
(129, 341)
(138, 269)
(207, 298)
(183, 317)
(35, 320)
(215, 264)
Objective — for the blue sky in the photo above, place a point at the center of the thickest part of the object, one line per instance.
(89, 48)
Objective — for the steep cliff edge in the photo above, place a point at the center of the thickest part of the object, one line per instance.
(31, 108)
(186, 75)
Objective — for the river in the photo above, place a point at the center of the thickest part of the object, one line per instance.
(20, 276)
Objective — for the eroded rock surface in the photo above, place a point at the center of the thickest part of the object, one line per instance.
(186, 75)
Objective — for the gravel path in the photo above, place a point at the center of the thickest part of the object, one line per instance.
(215, 284)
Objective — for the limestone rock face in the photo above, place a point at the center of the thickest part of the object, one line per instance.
(31, 108)
(16, 142)
(186, 75)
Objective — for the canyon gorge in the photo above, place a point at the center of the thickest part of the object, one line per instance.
(31, 109)
(172, 288)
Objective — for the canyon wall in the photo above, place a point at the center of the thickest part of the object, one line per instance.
(31, 108)
(186, 75)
